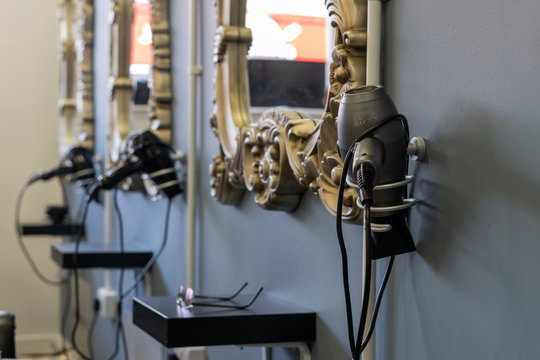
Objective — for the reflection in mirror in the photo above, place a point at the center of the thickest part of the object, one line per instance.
(140, 70)
(285, 151)
(120, 82)
(84, 45)
(141, 57)
(76, 103)
(140, 62)
(288, 55)
(140, 75)
(153, 57)
(66, 17)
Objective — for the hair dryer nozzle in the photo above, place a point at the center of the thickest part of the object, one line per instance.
(77, 163)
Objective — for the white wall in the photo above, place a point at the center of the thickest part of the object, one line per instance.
(28, 117)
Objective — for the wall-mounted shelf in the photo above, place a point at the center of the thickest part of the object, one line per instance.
(269, 320)
(91, 255)
(52, 229)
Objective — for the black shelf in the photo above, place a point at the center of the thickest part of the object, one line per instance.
(52, 229)
(91, 255)
(268, 320)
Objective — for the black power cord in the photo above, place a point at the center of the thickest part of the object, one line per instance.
(378, 304)
(76, 280)
(365, 178)
(343, 248)
(120, 331)
(65, 315)
(120, 327)
(121, 275)
(93, 323)
(26, 253)
(154, 258)
(123, 294)
(63, 282)
(358, 346)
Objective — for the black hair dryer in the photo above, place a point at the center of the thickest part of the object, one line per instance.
(76, 165)
(144, 153)
(372, 130)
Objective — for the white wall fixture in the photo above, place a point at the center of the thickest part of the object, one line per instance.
(284, 152)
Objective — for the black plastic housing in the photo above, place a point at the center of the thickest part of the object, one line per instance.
(385, 149)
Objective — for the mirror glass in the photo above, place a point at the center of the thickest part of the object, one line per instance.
(289, 52)
(141, 60)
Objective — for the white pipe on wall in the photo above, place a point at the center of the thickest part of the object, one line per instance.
(194, 71)
(107, 213)
(373, 56)
(373, 77)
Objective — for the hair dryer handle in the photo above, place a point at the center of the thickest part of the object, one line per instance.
(49, 174)
(115, 175)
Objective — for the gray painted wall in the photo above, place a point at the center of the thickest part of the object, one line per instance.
(466, 75)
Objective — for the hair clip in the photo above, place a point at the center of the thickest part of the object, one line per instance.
(186, 296)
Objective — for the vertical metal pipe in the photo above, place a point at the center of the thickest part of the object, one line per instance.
(373, 77)
(193, 71)
(107, 213)
(373, 57)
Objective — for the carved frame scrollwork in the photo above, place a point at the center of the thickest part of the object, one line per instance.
(84, 45)
(285, 152)
(160, 82)
(76, 104)
(121, 84)
(66, 103)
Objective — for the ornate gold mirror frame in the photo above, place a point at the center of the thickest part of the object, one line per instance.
(284, 152)
(121, 85)
(76, 104)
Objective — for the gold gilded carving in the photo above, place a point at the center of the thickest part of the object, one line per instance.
(67, 107)
(284, 152)
(220, 187)
(76, 102)
(160, 82)
(121, 84)
(84, 45)
(266, 165)
(232, 42)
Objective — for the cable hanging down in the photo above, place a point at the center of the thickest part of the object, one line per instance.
(154, 258)
(76, 282)
(120, 326)
(365, 181)
(24, 249)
